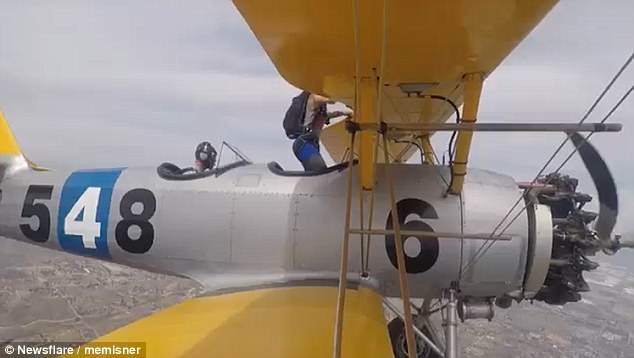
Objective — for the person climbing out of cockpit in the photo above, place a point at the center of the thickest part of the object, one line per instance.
(205, 155)
(303, 122)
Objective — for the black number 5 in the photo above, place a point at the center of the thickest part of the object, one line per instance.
(39, 210)
(146, 239)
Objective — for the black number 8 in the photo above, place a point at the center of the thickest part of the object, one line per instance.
(141, 220)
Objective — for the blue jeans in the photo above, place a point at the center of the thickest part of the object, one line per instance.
(306, 149)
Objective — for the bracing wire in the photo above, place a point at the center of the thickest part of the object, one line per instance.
(487, 244)
(614, 108)
(563, 143)
(591, 133)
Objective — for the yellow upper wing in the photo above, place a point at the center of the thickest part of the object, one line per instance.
(275, 322)
(430, 43)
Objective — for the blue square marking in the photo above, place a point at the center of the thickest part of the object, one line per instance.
(75, 186)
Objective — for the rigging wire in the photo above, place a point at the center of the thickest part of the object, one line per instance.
(563, 143)
(483, 250)
(437, 170)
(402, 117)
(453, 135)
(458, 118)
(433, 152)
(446, 99)
(591, 133)
(487, 244)
(420, 149)
(422, 157)
(618, 104)
(453, 106)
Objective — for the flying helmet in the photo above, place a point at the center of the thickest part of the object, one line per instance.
(205, 156)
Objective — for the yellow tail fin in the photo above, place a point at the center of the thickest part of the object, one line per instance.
(8, 144)
(11, 157)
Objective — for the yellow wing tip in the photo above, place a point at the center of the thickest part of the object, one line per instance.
(8, 145)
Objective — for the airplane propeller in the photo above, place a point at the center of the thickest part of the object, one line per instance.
(606, 190)
(620, 242)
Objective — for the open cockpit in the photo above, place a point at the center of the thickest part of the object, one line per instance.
(170, 171)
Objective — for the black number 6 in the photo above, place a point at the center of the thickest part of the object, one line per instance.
(141, 220)
(428, 254)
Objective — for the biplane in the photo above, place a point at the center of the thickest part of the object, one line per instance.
(306, 264)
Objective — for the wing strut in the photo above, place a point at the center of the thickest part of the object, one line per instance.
(343, 267)
(473, 89)
(368, 93)
(400, 255)
(428, 150)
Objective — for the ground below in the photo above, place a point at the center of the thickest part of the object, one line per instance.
(49, 296)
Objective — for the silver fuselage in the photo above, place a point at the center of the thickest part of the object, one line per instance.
(250, 226)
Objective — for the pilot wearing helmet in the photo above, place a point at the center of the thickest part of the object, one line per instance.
(205, 155)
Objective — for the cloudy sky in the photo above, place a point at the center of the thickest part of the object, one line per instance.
(105, 83)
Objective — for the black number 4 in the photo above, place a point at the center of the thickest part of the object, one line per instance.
(39, 210)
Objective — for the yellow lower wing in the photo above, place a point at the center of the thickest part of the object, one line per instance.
(275, 322)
